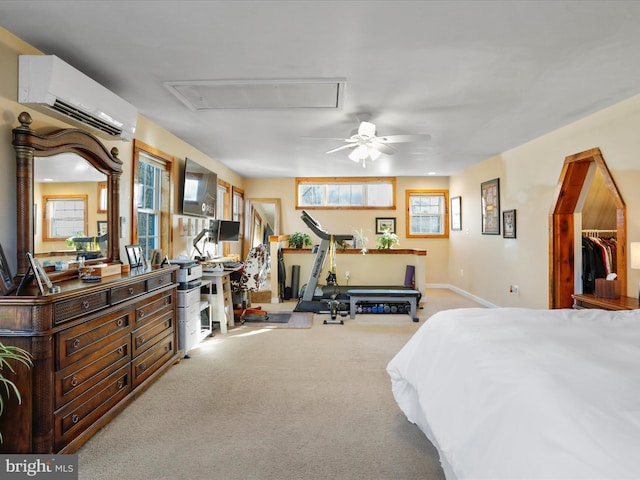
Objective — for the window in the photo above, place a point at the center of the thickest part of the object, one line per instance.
(103, 194)
(343, 193)
(151, 208)
(427, 213)
(65, 216)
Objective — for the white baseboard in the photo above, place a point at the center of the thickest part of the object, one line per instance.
(464, 293)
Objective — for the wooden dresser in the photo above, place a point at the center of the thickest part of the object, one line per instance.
(591, 301)
(95, 348)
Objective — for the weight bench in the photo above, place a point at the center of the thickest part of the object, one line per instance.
(383, 295)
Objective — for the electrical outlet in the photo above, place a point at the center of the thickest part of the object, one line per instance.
(347, 275)
(514, 290)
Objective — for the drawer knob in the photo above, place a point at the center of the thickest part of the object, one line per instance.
(120, 350)
(76, 343)
(120, 384)
(119, 322)
(74, 382)
(85, 304)
(166, 301)
(130, 290)
(75, 418)
(143, 366)
(141, 313)
(140, 340)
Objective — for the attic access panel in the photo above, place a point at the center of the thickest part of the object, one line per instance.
(259, 94)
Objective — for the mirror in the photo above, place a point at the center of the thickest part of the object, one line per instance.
(70, 209)
(48, 155)
(263, 216)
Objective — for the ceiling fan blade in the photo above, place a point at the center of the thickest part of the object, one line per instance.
(386, 149)
(403, 138)
(351, 145)
(367, 129)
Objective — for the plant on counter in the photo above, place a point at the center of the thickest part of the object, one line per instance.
(360, 240)
(10, 353)
(386, 240)
(299, 239)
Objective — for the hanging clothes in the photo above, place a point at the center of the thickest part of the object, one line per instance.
(598, 260)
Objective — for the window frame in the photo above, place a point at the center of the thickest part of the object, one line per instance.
(46, 230)
(344, 180)
(444, 214)
(141, 149)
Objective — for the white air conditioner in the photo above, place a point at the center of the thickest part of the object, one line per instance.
(48, 84)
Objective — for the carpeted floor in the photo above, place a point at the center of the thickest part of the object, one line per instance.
(274, 404)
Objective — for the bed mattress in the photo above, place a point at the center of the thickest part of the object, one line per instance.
(520, 393)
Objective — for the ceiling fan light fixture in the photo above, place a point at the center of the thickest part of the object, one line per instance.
(374, 154)
(359, 153)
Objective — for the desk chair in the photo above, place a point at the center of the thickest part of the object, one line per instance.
(251, 279)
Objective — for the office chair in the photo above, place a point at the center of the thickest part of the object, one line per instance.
(252, 278)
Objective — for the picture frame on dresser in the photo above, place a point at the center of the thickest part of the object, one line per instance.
(136, 256)
(7, 285)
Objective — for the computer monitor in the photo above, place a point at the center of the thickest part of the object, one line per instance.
(213, 231)
(229, 231)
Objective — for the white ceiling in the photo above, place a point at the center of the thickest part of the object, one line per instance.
(480, 77)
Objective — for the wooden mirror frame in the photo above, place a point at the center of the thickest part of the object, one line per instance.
(28, 144)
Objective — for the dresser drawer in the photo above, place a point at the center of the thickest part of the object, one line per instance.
(81, 376)
(80, 305)
(120, 294)
(82, 341)
(154, 304)
(143, 366)
(148, 335)
(159, 281)
(79, 414)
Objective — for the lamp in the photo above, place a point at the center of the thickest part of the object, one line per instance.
(362, 152)
(634, 255)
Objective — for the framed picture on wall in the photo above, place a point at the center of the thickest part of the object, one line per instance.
(490, 201)
(509, 224)
(387, 223)
(456, 213)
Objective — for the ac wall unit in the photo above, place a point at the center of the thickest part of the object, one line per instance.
(50, 85)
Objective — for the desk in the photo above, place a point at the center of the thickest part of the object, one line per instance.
(221, 303)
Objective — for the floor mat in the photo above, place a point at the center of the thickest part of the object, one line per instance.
(282, 317)
(293, 320)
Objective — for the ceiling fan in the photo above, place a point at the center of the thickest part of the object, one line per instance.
(365, 144)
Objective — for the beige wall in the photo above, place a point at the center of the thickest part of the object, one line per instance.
(528, 178)
(346, 221)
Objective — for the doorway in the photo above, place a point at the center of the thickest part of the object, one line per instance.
(573, 186)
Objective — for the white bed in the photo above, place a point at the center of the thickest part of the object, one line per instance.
(510, 393)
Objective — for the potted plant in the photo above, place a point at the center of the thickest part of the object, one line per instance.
(7, 354)
(386, 240)
(299, 239)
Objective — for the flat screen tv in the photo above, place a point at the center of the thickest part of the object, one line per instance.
(229, 231)
(199, 190)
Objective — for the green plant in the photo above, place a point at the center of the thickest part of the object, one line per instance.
(7, 354)
(299, 239)
(386, 240)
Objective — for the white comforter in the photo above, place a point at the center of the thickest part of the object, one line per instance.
(513, 393)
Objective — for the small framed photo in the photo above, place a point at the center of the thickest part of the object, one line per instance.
(456, 213)
(6, 279)
(384, 224)
(135, 256)
(509, 224)
(102, 227)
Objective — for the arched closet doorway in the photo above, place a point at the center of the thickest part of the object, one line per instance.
(565, 223)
